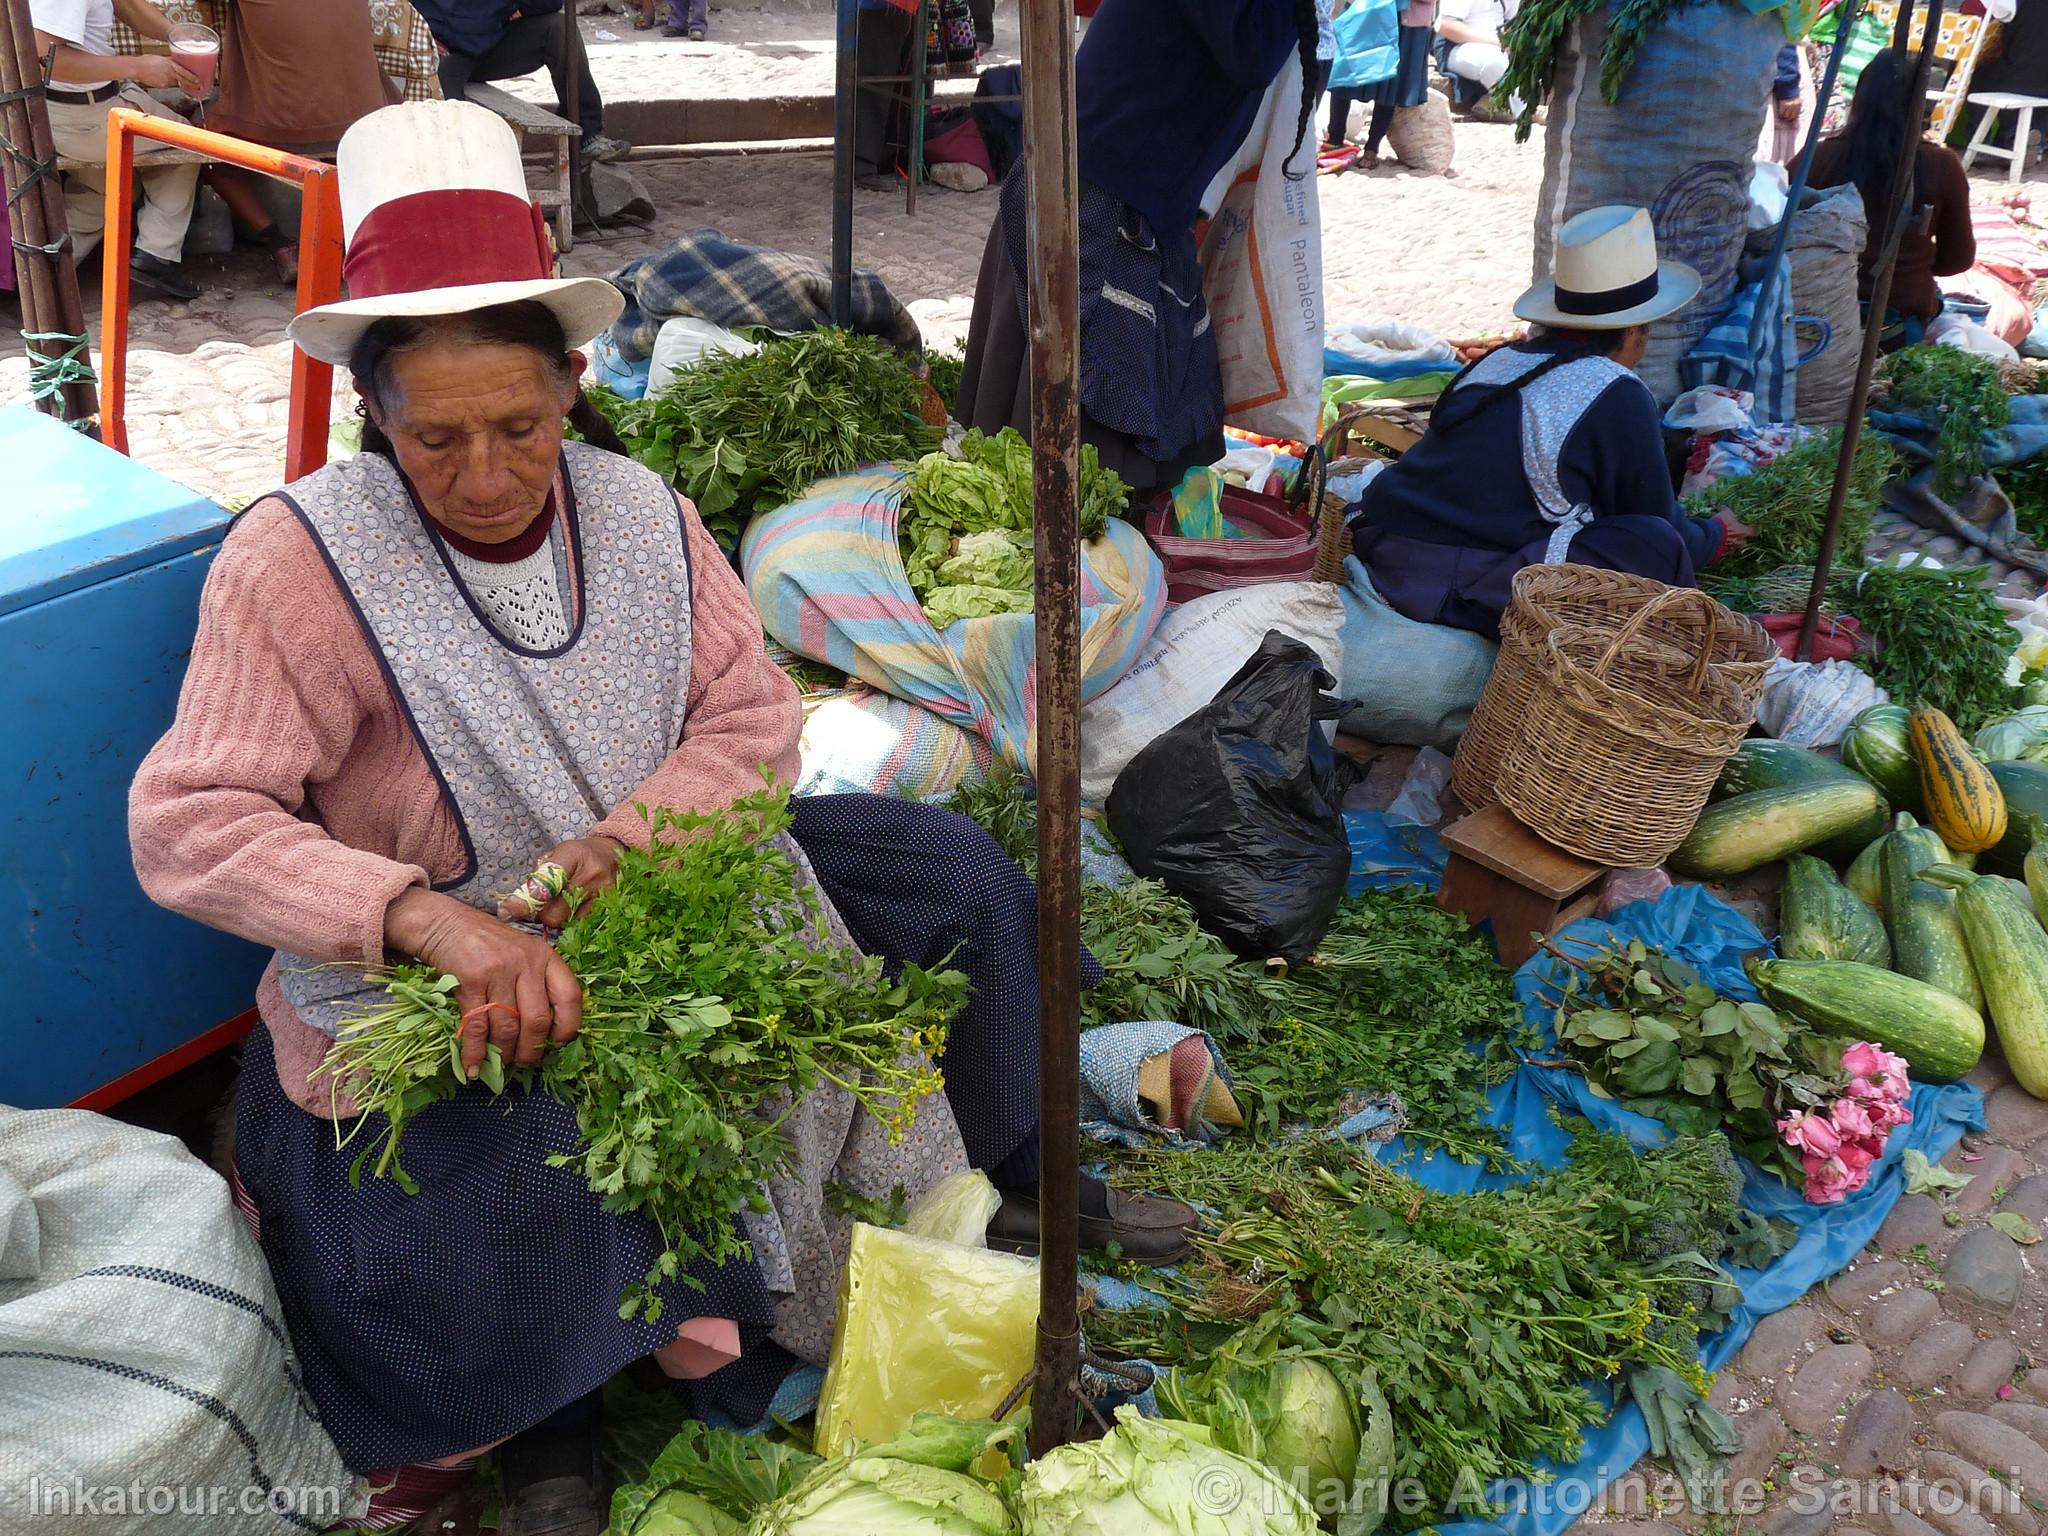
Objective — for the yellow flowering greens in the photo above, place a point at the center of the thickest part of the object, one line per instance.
(713, 999)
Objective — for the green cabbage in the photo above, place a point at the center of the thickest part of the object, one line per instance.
(2023, 734)
(705, 1473)
(677, 1513)
(1332, 1441)
(1158, 1477)
(922, 1483)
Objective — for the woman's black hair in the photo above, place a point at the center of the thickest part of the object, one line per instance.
(529, 324)
(1880, 130)
(1306, 32)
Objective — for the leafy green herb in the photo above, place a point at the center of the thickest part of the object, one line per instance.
(945, 370)
(1532, 40)
(1401, 996)
(743, 435)
(1481, 1315)
(1648, 1032)
(1944, 639)
(843, 1200)
(1786, 501)
(1962, 390)
(713, 998)
(735, 1474)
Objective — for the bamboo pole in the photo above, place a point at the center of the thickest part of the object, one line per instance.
(1897, 215)
(45, 277)
(1052, 244)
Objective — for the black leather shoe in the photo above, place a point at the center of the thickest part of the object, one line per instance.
(550, 1483)
(1149, 1229)
(165, 279)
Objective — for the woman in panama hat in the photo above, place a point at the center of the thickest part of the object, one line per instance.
(1547, 450)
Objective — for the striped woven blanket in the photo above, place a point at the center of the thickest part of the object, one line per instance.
(827, 576)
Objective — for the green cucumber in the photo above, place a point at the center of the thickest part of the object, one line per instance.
(1762, 763)
(2010, 950)
(1927, 935)
(1822, 919)
(1738, 834)
(1940, 1037)
(1865, 875)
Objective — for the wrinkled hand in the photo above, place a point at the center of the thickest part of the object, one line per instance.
(161, 72)
(514, 991)
(589, 863)
(1788, 111)
(1738, 533)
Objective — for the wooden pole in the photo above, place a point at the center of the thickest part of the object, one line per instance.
(1897, 215)
(44, 274)
(1052, 243)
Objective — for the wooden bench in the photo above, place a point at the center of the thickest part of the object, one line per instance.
(547, 163)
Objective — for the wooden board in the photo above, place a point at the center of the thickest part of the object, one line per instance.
(1495, 841)
(523, 115)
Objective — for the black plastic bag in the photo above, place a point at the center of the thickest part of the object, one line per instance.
(1238, 810)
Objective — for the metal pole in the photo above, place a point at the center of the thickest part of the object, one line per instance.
(1851, 13)
(845, 91)
(1896, 216)
(919, 82)
(1053, 241)
(46, 279)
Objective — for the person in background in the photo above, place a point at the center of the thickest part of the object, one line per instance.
(1781, 131)
(486, 40)
(1548, 450)
(88, 79)
(688, 18)
(1326, 59)
(293, 76)
(1408, 86)
(1938, 239)
(1165, 92)
(1473, 29)
(881, 48)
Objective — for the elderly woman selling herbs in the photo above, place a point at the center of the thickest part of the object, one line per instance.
(419, 675)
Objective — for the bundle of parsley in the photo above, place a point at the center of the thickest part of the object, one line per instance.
(744, 435)
(713, 999)
(1483, 1315)
(1944, 640)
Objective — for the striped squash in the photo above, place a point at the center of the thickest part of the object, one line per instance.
(1964, 801)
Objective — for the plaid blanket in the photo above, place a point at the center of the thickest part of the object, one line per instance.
(736, 286)
(826, 575)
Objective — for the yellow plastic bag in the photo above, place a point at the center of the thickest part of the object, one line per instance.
(956, 1210)
(924, 1326)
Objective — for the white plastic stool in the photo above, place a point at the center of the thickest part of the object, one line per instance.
(1993, 103)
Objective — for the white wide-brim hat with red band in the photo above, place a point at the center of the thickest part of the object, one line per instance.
(1607, 276)
(436, 221)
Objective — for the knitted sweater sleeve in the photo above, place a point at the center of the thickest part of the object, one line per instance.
(274, 696)
(742, 713)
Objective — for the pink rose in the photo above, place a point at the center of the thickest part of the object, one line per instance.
(1810, 1133)
(1863, 1059)
(1857, 1156)
(1888, 1114)
(1874, 1072)
(1851, 1117)
(1827, 1180)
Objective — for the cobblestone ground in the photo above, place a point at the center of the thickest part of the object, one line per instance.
(1908, 1396)
(1872, 1408)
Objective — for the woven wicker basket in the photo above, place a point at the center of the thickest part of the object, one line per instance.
(1622, 739)
(1547, 597)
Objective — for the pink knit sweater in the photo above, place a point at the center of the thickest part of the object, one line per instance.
(290, 803)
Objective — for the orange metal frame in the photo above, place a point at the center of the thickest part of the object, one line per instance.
(319, 270)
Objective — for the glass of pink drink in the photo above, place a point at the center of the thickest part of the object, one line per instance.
(197, 49)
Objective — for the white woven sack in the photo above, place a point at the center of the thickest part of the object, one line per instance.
(147, 1387)
(1196, 649)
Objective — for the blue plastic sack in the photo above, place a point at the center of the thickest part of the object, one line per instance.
(1384, 853)
(1368, 47)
